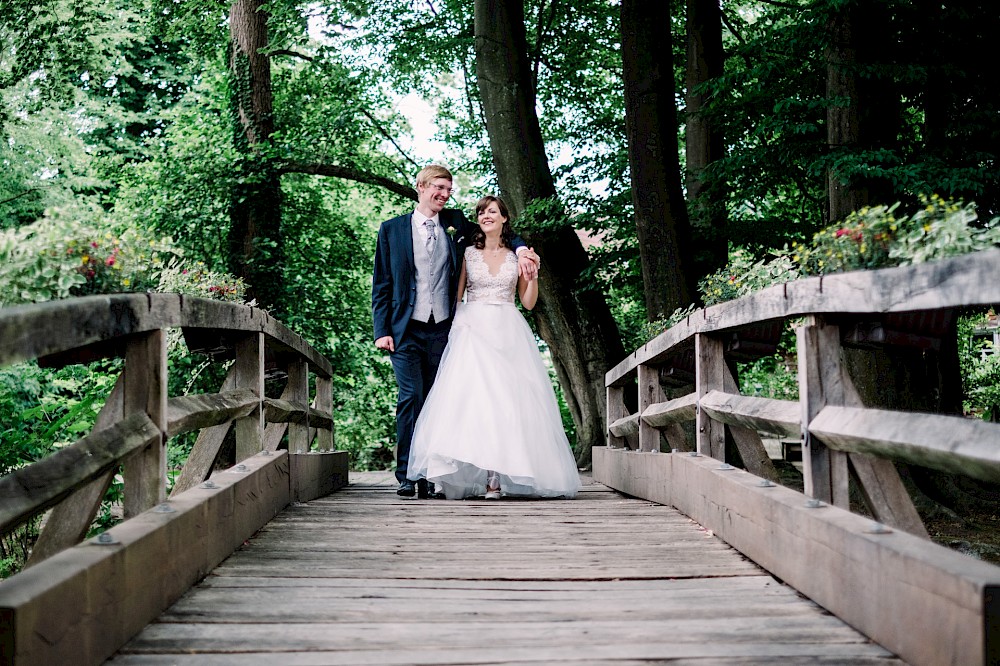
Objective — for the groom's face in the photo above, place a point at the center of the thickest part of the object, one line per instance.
(435, 194)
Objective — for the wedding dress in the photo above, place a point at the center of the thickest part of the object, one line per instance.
(492, 407)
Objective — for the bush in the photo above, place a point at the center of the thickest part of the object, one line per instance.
(59, 257)
(876, 238)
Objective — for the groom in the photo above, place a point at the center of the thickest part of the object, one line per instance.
(414, 285)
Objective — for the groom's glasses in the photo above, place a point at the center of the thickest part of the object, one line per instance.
(442, 188)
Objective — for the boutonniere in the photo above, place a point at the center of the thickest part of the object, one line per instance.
(453, 232)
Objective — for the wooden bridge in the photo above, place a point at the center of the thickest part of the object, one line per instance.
(669, 553)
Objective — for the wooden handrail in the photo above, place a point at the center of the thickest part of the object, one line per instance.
(829, 413)
(139, 417)
(868, 575)
(965, 281)
(45, 329)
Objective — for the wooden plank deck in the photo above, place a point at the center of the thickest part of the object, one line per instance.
(365, 577)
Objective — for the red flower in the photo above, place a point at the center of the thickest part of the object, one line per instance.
(110, 261)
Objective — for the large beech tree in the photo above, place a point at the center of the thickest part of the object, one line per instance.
(255, 245)
(573, 319)
(661, 217)
(703, 140)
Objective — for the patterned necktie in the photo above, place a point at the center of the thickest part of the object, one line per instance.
(429, 243)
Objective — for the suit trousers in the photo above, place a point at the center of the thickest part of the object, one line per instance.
(415, 363)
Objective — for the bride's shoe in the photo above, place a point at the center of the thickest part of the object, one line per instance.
(493, 487)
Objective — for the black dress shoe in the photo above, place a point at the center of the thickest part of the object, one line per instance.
(422, 489)
(406, 489)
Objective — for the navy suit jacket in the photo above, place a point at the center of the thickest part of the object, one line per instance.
(394, 278)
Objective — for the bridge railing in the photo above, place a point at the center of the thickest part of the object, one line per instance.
(131, 433)
(908, 307)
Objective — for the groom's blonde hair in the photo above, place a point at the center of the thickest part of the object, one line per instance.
(432, 171)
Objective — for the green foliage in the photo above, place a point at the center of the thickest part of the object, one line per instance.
(874, 237)
(61, 256)
(42, 411)
(980, 365)
(770, 377)
(745, 275)
(870, 238)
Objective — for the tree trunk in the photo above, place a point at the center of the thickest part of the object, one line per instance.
(661, 218)
(864, 111)
(843, 122)
(703, 140)
(575, 322)
(255, 243)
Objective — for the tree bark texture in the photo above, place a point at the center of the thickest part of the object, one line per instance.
(255, 211)
(703, 140)
(575, 322)
(661, 218)
(863, 112)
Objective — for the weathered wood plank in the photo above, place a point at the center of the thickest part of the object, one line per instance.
(710, 373)
(277, 410)
(28, 490)
(32, 331)
(323, 404)
(194, 412)
(82, 604)
(921, 600)
(821, 383)
(317, 474)
(650, 393)
(145, 390)
(632, 654)
(958, 282)
(782, 417)
(249, 368)
(626, 426)
(601, 578)
(678, 410)
(297, 392)
(948, 443)
(616, 412)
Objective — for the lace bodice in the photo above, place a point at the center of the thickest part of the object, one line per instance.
(481, 285)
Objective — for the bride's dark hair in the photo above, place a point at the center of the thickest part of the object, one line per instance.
(506, 233)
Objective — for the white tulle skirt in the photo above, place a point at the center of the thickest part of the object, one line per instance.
(492, 407)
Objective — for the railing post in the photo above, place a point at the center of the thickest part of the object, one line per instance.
(650, 392)
(616, 410)
(821, 383)
(249, 373)
(324, 403)
(297, 391)
(145, 390)
(710, 375)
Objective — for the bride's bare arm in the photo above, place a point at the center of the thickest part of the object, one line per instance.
(527, 290)
(461, 283)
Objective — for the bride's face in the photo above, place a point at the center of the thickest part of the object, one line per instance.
(490, 219)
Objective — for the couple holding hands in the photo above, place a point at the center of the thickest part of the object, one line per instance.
(476, 414)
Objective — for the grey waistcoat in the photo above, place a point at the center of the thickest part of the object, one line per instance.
(432, 277)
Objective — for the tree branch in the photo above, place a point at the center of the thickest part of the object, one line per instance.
(776, 3)
(18, 196)
(289, 52)
(347, 173)
(381, 130)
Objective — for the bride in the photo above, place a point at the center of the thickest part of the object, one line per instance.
(491, 424)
